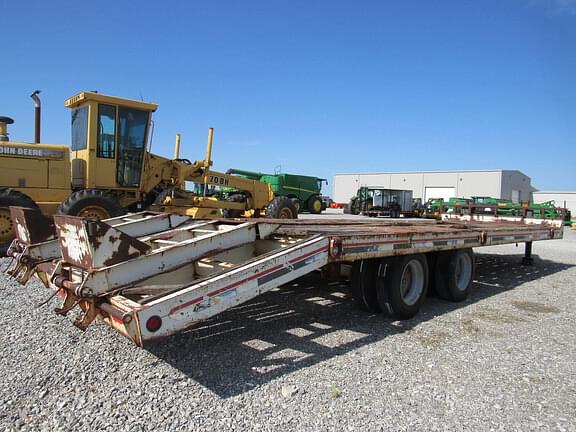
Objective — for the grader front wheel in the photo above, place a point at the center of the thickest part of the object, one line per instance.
(6, 225)
(91, 203)
(281, 207)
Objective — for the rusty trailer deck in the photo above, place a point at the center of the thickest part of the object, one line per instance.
(150, 275)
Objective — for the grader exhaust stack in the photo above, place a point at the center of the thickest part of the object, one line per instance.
(37, 115)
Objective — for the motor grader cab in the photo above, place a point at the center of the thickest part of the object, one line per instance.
(109, 137)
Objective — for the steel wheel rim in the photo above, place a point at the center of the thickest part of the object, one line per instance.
(317, 205)
(94, 212)
(6, 225)
(412, 282)
(463, 271)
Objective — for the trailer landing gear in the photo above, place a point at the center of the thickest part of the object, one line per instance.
(528, 260)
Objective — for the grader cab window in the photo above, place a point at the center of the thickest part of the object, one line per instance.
(132, 125)
(79, 128)
(106, 132)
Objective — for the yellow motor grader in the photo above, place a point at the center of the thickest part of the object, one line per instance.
(109, 170)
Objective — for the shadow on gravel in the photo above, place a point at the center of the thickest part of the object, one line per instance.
(309, 321)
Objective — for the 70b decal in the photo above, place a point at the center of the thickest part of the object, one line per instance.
(218, 180)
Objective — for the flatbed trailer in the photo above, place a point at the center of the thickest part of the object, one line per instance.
(150, 275)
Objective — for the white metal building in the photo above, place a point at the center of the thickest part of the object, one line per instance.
(562, 199)
(505, 184)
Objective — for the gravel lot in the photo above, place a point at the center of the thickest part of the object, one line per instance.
(304, 358)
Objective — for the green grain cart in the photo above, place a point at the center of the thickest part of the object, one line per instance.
(303, 190)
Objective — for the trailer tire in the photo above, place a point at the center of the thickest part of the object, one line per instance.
(454, 274)
(402, 286)
(281, 207)
(233, 213)
(91, 203)
(10, 197)
(314, 204)
(363, 284)
(432, 258)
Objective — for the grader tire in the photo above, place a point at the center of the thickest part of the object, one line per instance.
(297, 204)
(281, 207)
(91, 203)
(10, 197)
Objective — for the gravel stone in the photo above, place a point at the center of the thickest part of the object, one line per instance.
(303, 358)
(289, 391)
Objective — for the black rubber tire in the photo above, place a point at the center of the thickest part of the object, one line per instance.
(297, 204)
(453, 283)
(352, 209)
(314, 204)
(83, 199)
(432, 258)
(281, 207)
(363, 284)
(233, 213)
(11, 197)
(389, 286)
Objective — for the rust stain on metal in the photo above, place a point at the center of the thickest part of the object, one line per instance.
(32, 226)
(127, 249)
(92, 244)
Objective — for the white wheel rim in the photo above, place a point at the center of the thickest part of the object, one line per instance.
(463, 271)
(412, 282)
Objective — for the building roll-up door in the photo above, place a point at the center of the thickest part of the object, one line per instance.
(439, 192)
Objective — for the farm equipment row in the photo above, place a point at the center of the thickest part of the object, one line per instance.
(496, 207)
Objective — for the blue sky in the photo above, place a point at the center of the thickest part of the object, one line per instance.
(318, 87)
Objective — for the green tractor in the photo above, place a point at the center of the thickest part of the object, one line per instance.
(376, 201)
(304, 191)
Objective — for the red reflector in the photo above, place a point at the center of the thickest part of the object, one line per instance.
(154, 323)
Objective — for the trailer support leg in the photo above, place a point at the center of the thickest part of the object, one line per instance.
(528, 260)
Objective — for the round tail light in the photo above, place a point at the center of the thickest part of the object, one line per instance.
(154, 323)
